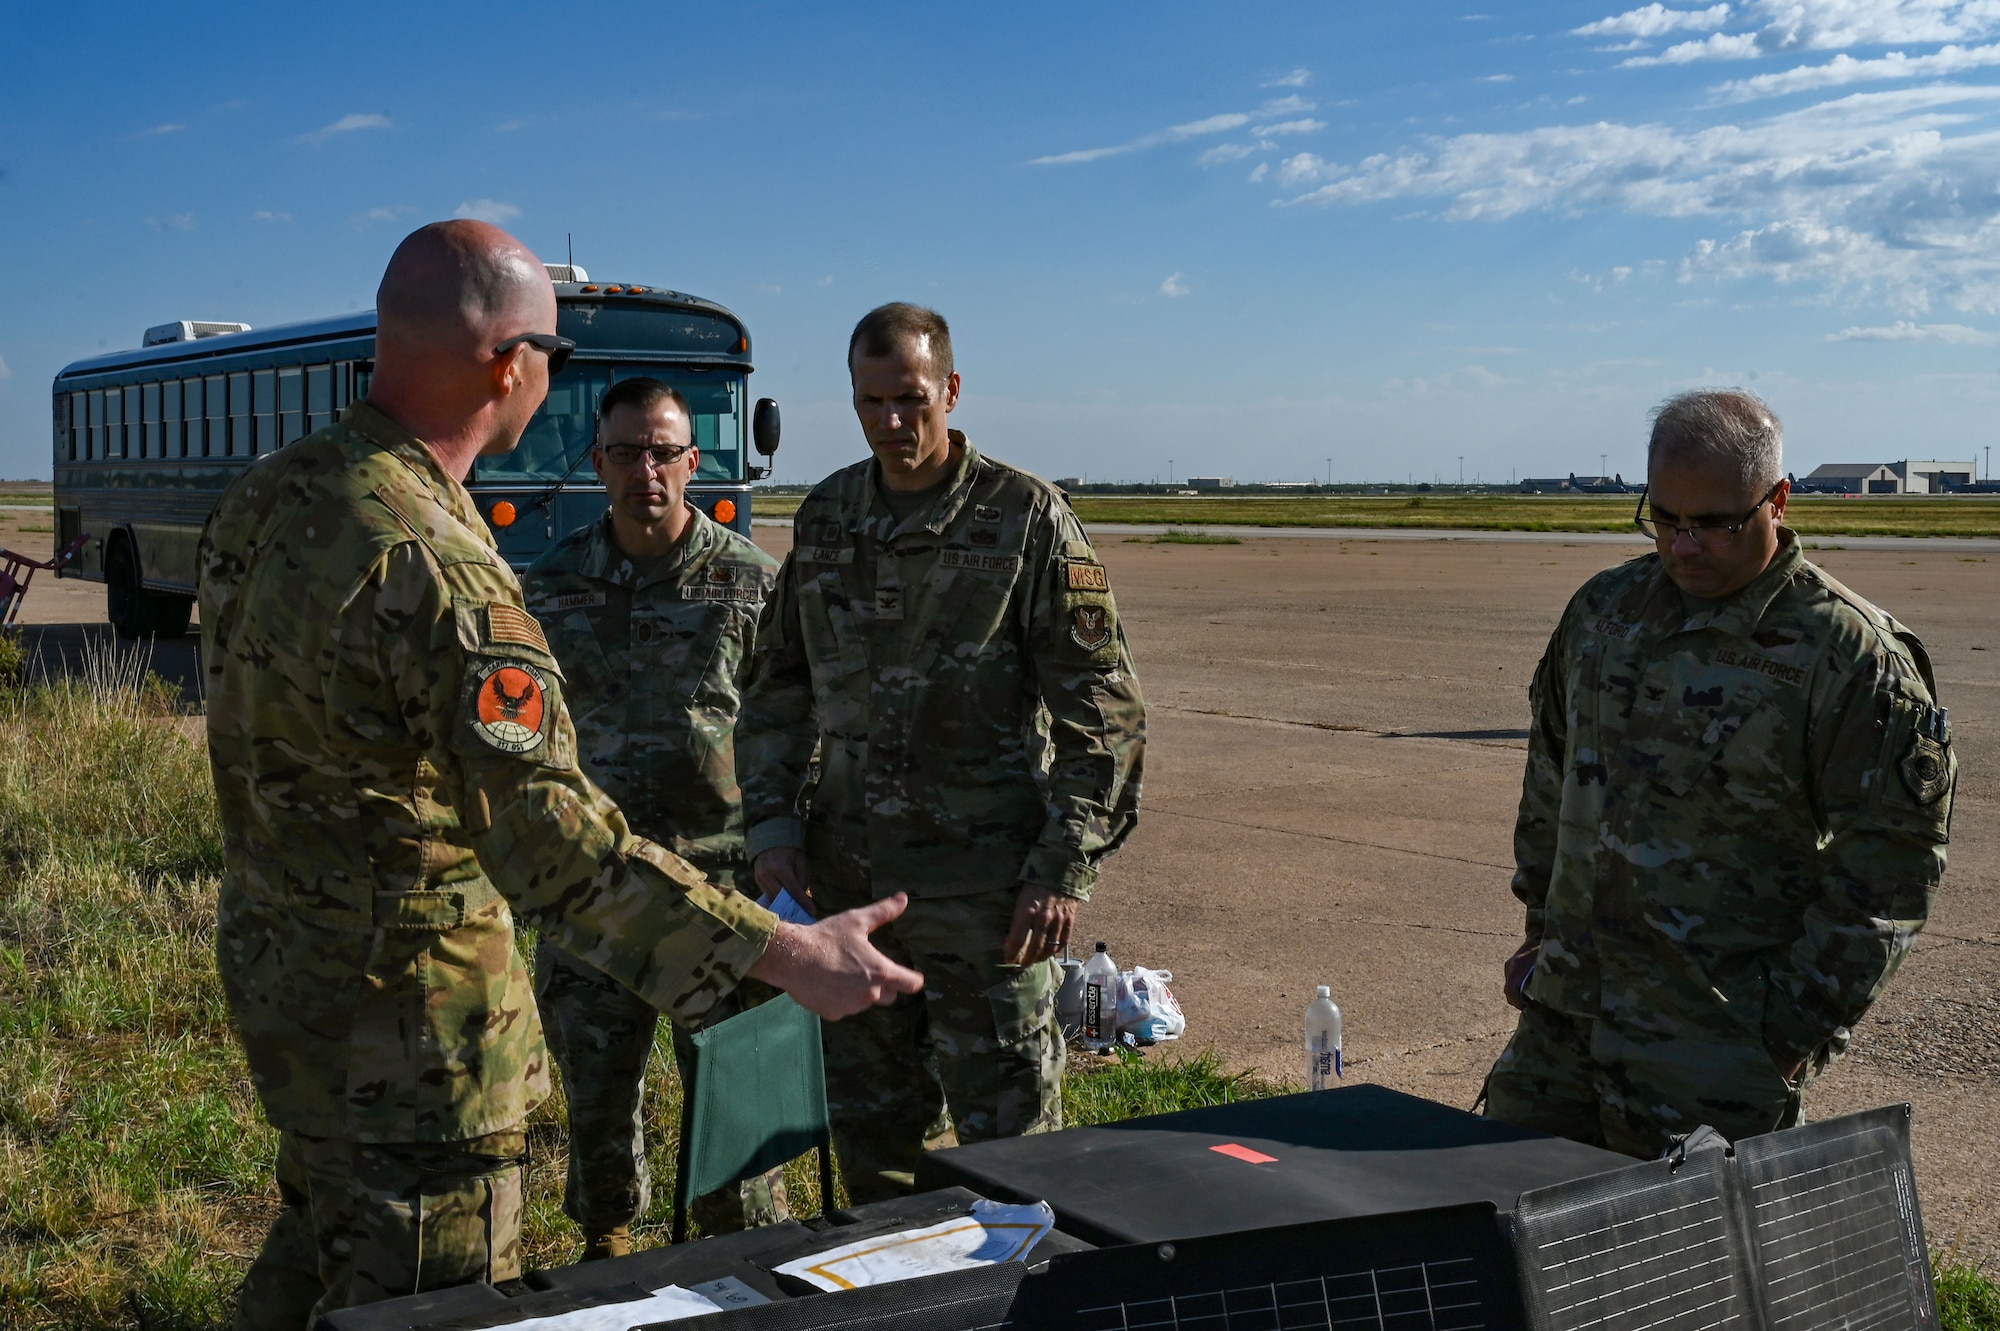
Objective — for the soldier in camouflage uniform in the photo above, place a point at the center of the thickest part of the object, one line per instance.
(395, 769)
(1734, 816)
(651, 611)
(944, 634)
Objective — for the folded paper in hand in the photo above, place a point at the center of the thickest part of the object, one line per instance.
(993, 1233)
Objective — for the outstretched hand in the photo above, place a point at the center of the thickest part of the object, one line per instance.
(831, 968)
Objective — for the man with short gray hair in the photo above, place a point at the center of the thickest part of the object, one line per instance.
(1733, 820)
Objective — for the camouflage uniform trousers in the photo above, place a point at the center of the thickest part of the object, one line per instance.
(1585, 1079)
(368, 1221)
(601, 1034)
(979, 1043)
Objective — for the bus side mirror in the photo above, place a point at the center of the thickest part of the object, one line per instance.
(765, 425)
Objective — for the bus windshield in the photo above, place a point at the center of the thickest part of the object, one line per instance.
(561, 432)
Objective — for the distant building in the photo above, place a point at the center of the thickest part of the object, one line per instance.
(1575, 484)
(1068, 482)
(1211, 482)
(1909, 477)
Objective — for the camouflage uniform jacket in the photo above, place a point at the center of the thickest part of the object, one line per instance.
(1733, 821)
(394, 766)
(966, 678)
(656, 670)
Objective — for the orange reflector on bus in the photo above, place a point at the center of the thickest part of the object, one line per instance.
(504, 514)
(613, 291)
(725, 510)
(743, 344)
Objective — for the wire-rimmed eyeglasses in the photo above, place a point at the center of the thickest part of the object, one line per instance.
(1706, 532)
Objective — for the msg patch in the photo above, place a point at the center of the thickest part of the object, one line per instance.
(511, 624)
(1087, 577)
(510, 705)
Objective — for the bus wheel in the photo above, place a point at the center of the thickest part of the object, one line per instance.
(127, 605)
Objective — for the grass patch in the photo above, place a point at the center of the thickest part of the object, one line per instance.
(1184, 538)
(1967, 1300)
(1812, 515)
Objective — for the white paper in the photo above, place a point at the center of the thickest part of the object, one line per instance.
(993, 1233)
(668, 1304)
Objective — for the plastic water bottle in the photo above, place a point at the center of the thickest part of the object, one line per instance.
(1322, 1041)
(1069, 998)
(1100, 997)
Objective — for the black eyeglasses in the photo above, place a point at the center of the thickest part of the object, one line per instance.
(662, 457)
(558, 348)
(1705, 534)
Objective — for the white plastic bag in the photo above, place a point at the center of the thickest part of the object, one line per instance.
(1147, 1009)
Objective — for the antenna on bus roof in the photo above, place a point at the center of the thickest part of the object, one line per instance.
(571, 238)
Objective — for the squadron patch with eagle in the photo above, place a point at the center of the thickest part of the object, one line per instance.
(510, 705)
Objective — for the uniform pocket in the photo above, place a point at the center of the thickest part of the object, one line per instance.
(1023, 1004)
(433, 912)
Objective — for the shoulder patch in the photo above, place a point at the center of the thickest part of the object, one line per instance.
(1926, 769)
(1089, 628)
(1087, 577)
(511, 624)
(510, 705)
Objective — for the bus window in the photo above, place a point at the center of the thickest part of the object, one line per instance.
(170, 419)
(114, 423)
(95, 443)
(319, 397)
(79, 426)
(62, 425)
(562, 431)
(291, 405)
(149, 416)
(131, 446)
(239, 414)
(341, 380)
(264, 403)
(191, 415)
(215, 410)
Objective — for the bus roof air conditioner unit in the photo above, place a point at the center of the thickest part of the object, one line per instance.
(187, 330)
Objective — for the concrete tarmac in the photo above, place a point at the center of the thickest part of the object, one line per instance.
(1337, 729)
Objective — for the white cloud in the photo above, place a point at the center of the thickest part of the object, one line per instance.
(1263, 169)
(172, 222)
(1886, 193)
(1844, 69)
(347, 124)
(1285, 106)
(1831, 25)
(158, 130)
(1216, 124)
(1655, 20)
(1715, 46)
(487, 210)
(1958, 335)
(1174, 286)
(6, 371)
(1223, 153)
(1293, 127)
(267, 215)
(1496, 78)
(1298, 78)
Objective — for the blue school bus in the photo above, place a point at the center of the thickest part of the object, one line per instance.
(147, 440)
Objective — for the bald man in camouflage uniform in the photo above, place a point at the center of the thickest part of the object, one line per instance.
(1734, 817)
(651, 610)
(945, 635)
(395, 769)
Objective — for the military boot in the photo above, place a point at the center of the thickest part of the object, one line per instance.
(612, 1243)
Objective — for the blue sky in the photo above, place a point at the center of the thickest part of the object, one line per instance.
(1196, 236)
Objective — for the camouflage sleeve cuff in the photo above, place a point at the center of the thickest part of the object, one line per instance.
(738, 933)
(1055, 869)
(772, 834)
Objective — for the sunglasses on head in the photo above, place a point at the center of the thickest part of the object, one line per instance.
(558, 348)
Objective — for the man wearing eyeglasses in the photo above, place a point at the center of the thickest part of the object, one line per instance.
(1734, 816)
(651, 611)
(397, 775)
